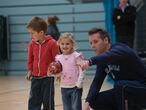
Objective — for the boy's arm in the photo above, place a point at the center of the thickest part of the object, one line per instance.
(30, 62)
(55, 49)
(30, 57)
(29, 75)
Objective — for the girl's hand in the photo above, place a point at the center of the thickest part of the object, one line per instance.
(58, 80)
(85, 65)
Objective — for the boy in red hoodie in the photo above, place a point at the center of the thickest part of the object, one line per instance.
(41, 52)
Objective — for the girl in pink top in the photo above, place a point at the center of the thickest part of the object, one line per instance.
(72, 75)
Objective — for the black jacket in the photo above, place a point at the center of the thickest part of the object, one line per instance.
(53, 31)
(125, 26)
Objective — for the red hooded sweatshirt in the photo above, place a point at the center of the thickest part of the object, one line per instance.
(41, 55)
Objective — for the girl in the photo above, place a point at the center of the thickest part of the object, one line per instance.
(72, 75)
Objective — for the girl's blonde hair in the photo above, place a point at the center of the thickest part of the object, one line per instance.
(69, 36)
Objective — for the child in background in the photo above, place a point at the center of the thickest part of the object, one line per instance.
(41, 52)
(52, 28)
(72, 75)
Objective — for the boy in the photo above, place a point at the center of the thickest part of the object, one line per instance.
(41, 52)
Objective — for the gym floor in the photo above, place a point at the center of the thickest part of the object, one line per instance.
(14, 92)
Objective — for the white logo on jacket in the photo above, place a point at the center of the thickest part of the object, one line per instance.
(111, 68)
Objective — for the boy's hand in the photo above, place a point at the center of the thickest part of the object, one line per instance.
(51, 70)
(29, 75)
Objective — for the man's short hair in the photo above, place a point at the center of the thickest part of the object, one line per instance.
(102, 32)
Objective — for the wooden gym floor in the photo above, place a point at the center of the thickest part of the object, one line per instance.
(14, 92)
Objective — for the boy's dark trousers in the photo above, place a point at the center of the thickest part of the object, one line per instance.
(114, 99)
(41, 93)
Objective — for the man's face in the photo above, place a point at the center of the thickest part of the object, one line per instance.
(97, 44)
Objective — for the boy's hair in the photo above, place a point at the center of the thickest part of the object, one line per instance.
(102, 32)
(69, 36)
(37, 24)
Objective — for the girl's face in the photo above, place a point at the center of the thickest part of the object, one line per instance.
(66, 46)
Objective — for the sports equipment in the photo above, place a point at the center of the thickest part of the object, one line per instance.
(55, 67)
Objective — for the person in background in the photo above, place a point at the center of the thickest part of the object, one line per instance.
(120, 62)
(52, 28)
(72, 75)
(124, 18)
(41, 52)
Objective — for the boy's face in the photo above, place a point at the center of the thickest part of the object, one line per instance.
(35, 35)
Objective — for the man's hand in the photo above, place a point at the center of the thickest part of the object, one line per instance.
(86, 106)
